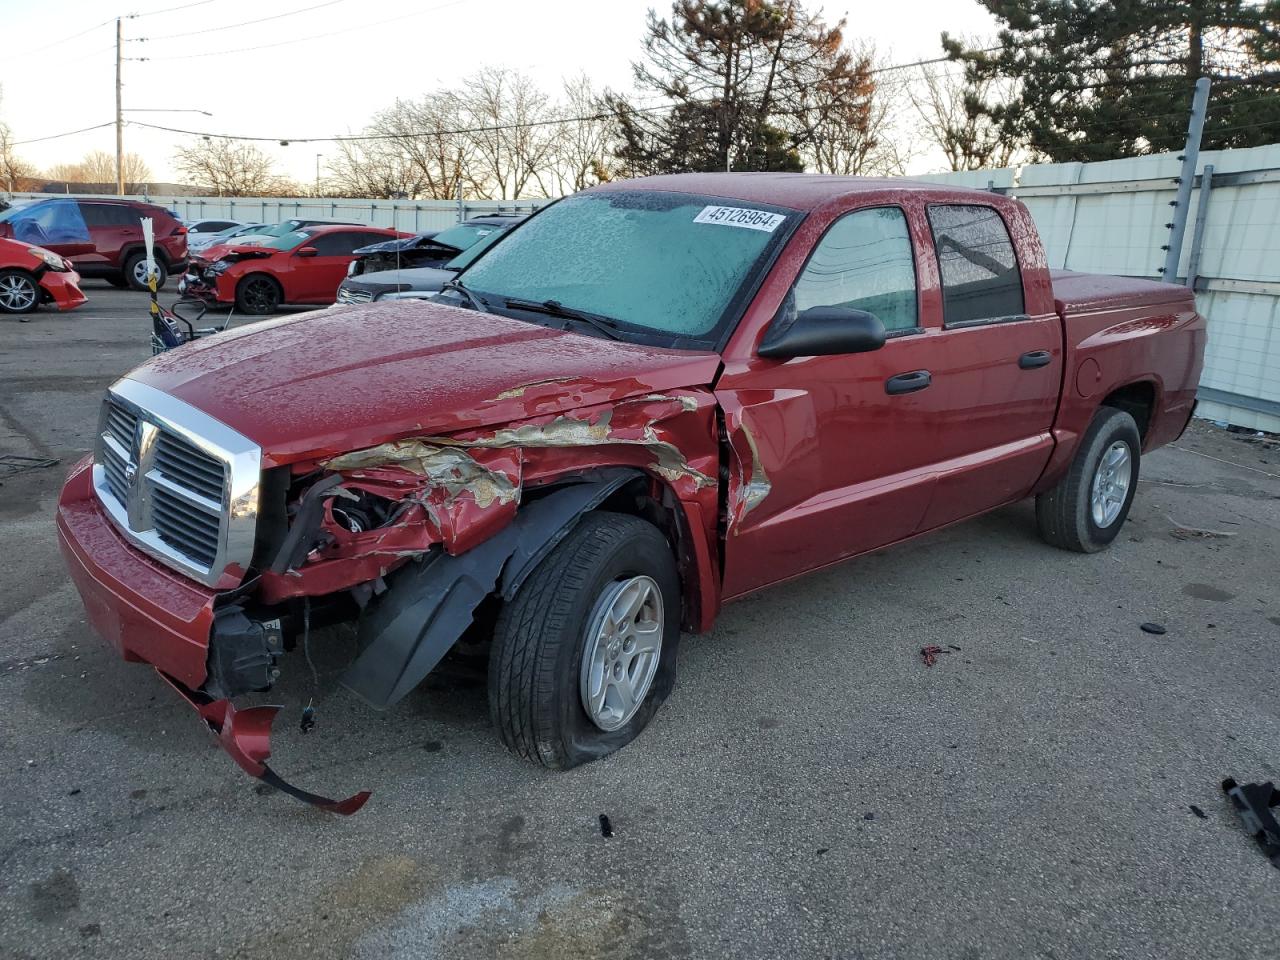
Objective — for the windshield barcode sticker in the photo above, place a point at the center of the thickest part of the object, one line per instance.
(740, 217)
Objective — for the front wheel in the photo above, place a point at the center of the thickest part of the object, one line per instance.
(585, 653)
(1087, 508)
(258, 294)
(19, 292)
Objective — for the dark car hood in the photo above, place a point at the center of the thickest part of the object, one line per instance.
(403, 243)
(323, 383)
(412, 278)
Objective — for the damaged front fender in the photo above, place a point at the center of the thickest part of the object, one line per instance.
(406, 631)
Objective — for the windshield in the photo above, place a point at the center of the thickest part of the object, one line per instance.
(287, 242)
(671, 264)
(464, 235)
(480, 246)
(279, 229)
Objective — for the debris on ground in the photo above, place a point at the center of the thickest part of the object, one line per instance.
(1181, 531)
(308, 722)
(930, 655)
(1254, 802)
(606, 826)
(1155, 628)
(1198, 812)
(11, 464)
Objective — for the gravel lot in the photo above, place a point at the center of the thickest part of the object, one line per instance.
(810, 790)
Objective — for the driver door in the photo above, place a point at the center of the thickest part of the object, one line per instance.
(837, 450)
(317, 277)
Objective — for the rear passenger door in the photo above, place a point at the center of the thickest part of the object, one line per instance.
(997, 370)
(113, 227)
(320, 275)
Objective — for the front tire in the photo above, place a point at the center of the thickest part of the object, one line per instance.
(1087, 508)
(585, 653)
(19, 292)
(258, 294)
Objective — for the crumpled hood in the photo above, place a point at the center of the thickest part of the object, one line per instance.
(319, 384)
(220, 250)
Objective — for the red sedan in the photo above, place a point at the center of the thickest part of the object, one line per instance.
(304, 266)
(30, 276)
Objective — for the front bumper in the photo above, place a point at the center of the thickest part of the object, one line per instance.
(62, 288)
(197, 287)
(147, 612)
(152, 615)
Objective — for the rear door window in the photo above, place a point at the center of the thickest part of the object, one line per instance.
(342, 244)
(981, 282)
(864, 262)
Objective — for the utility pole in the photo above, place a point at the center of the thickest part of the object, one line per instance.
(317, 174)
(119, 117)
(1186, 180)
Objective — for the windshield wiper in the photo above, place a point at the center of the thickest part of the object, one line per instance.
(554, 308)
(475, 300)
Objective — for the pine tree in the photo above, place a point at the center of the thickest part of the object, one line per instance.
(1096, 80)
(740, 78)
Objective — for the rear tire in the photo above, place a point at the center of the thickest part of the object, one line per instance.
(1087, 508)
(135, 272)
(554, 644)
(19, 292)
(258, 294)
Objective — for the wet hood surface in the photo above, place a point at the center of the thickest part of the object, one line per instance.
(317, 384)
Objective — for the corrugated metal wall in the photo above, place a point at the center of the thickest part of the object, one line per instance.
(1112, 217)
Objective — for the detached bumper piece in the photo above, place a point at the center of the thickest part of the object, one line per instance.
(1255, 803)
(246, 737)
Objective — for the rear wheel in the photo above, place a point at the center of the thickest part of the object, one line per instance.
(135, 272)
(1087, 508)
(19, 292)
(585, 653)
(258, 294)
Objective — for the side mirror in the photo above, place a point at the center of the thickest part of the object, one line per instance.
(307, 251)
(822, 331)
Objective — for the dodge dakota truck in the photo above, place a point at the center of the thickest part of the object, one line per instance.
(652, 398)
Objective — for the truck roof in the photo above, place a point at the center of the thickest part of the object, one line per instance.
(800, 191)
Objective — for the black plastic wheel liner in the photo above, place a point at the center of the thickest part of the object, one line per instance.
(404, 632)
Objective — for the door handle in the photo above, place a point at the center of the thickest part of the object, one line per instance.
(908, 382)
(1036, 358)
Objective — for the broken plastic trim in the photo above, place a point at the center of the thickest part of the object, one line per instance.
(1254, 802)
(407, 630)
(246, 737)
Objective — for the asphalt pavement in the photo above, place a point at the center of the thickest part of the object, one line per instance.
(1049, 788)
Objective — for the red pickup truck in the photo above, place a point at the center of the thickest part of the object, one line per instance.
(649, 399)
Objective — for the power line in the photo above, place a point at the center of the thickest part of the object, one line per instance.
(69, 133)
(317, 36)
(156, 13)
(243, 23)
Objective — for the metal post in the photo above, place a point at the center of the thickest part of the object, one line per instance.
(460, 211)
(119, 118)
(1197, 235)
(1190, 155)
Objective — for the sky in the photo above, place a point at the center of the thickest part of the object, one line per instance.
(323, 67)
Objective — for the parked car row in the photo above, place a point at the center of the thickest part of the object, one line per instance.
(255, 267)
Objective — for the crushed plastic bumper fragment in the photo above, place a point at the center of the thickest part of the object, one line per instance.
(246, 737)
(1255, 803)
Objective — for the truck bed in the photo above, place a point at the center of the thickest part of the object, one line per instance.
(1075, 292)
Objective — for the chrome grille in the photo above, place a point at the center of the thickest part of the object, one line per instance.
(347, 295)
(188, 465)
(179, 484)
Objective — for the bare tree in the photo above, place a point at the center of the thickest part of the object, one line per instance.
(579, 156)
(96, 172)
(230, 168)
(377, 169)
(969, 139)
(427, 132)
(15, 173)
(510, 146)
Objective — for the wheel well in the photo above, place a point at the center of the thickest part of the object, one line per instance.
(260, 274)
(655, 502)
(142, 251)
(1136, 399)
